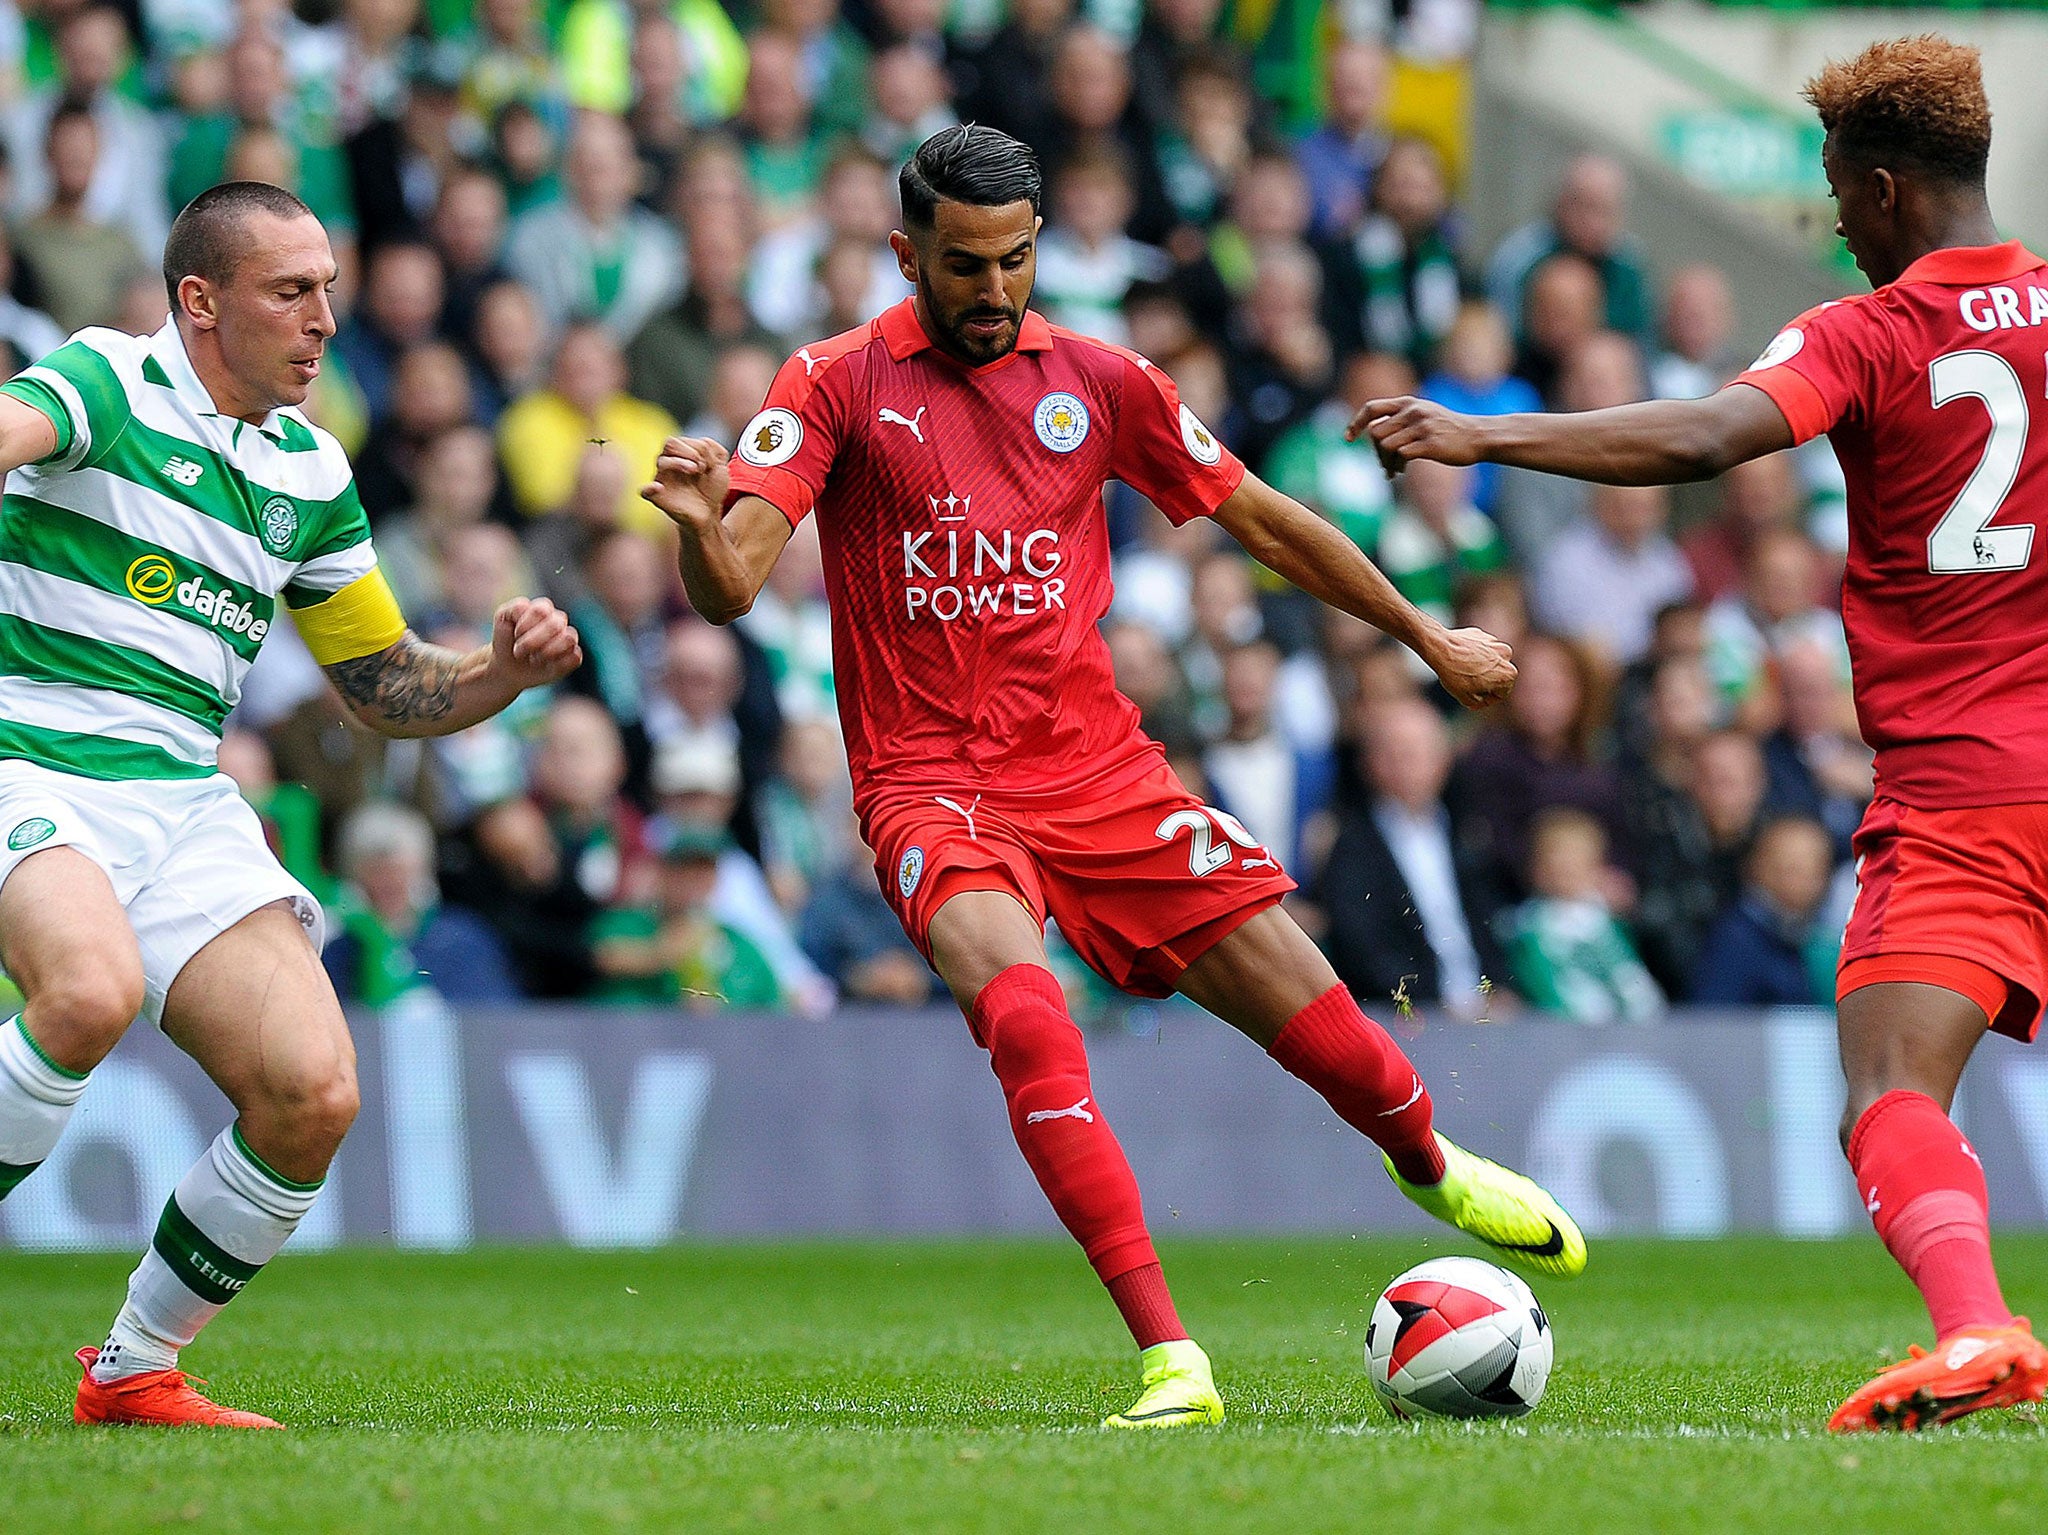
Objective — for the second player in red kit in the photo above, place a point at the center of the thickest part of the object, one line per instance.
(954, 452)
(1933, 391)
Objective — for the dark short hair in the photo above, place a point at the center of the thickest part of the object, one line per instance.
(207, 241)
(982, 167)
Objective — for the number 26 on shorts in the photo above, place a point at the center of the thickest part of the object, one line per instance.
(1205, 854)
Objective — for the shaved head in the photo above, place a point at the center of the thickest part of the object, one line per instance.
(212, 235)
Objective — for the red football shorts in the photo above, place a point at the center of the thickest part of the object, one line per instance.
(1957, 899)
(1143, 879)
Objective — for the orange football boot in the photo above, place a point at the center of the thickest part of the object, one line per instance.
(1969, 1370)
(162, 1397)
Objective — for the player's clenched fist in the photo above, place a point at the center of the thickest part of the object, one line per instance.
(690, 480)
(1475, 668)
(1408, 428)
(533, 643)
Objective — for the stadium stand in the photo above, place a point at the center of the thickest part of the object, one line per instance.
(568, 226)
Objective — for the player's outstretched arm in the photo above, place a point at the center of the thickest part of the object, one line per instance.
(725, 555)
(412, 688)
(1659, 442)
(1292, 541)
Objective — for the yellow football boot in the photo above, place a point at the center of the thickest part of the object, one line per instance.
(1178, 1390)
(1508, 1212)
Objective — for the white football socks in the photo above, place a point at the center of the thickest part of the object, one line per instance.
(226, 1219)
(36, 1099)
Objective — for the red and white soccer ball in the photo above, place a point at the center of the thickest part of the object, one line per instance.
(1458, 1338)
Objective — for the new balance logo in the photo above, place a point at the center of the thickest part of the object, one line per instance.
(183, 470)
(893, 419)
(803, 355)
(1078, 1111)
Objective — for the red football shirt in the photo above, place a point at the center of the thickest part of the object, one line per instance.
(966, 555)
(1934, 392)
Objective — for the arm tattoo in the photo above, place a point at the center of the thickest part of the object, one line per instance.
(412, 682)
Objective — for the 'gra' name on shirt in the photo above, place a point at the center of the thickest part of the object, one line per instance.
(1999, 308)
(932, 559)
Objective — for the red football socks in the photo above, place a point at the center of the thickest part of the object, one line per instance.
(1368, 1080)
(1147, 1308)
(1036, 1051)
(1924, 1188)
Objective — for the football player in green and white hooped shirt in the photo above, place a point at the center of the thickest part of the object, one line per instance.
(164, 499)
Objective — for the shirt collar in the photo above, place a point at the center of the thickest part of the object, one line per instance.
(1390, 811)
(167, 346)
(1966, 265)
(904, 335)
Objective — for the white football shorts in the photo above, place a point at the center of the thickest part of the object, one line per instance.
(186, 857)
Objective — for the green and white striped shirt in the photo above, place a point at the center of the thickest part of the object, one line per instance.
(141, 563)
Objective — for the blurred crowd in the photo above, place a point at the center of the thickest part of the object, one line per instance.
(568, 228)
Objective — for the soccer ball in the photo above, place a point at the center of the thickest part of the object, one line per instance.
(1458, 1338)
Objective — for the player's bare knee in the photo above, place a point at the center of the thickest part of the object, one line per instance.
(966, 991)
(310, 1114)
(978, 935)
(80, 1013)
(967, 987)
(331, 1107)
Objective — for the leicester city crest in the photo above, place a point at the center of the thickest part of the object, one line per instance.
(910, 871)
(1061, 421)
(279, 524)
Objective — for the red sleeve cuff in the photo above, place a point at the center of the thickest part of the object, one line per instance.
(790, 494)
(1204, 494)
(1804, 408)
(1230, 475)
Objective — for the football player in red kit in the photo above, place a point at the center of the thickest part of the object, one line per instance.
(955, 451)
(1931, 389)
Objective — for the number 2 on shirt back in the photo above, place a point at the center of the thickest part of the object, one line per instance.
(1964, 540)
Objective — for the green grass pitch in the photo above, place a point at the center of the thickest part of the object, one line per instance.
(956, 1387)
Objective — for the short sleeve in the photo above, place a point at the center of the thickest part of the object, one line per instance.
(77, 388)
(1823, 367)
(339, 551)
(786, 452)
(338, 596)
(1164, 452)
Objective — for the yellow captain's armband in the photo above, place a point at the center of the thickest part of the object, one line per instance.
(359, 620)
